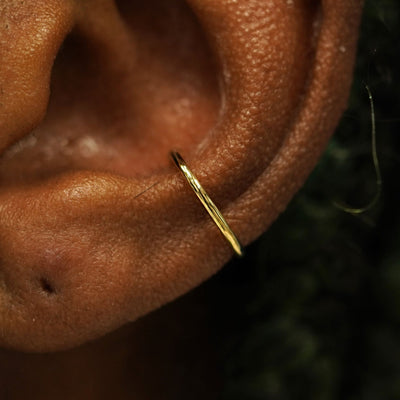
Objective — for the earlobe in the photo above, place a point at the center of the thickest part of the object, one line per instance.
(114, 243)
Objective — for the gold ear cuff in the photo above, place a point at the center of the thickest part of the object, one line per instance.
(209, 205)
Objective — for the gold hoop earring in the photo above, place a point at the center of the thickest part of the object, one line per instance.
(208, 204)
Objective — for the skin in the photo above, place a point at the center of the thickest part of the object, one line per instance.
(97, 227)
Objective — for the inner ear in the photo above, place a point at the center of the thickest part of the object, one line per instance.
(128, 83)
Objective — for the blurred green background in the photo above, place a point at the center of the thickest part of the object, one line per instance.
(313, 310)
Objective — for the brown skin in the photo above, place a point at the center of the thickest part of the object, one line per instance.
(97, 228)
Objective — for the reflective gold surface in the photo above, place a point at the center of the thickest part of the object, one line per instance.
(208, 203)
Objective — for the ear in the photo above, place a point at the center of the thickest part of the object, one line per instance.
(97, 226)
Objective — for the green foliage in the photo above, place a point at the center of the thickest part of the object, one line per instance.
(313, 311)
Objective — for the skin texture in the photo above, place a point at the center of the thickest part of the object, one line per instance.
(97, 227)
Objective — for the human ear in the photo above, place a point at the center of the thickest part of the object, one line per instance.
(97, 226)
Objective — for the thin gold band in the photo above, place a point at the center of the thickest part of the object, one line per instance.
(209, 205)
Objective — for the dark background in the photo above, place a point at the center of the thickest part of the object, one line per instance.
(313, 310)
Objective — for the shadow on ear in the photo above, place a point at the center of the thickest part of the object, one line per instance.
(97, 226)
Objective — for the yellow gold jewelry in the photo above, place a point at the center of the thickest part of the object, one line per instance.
(209, 205)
